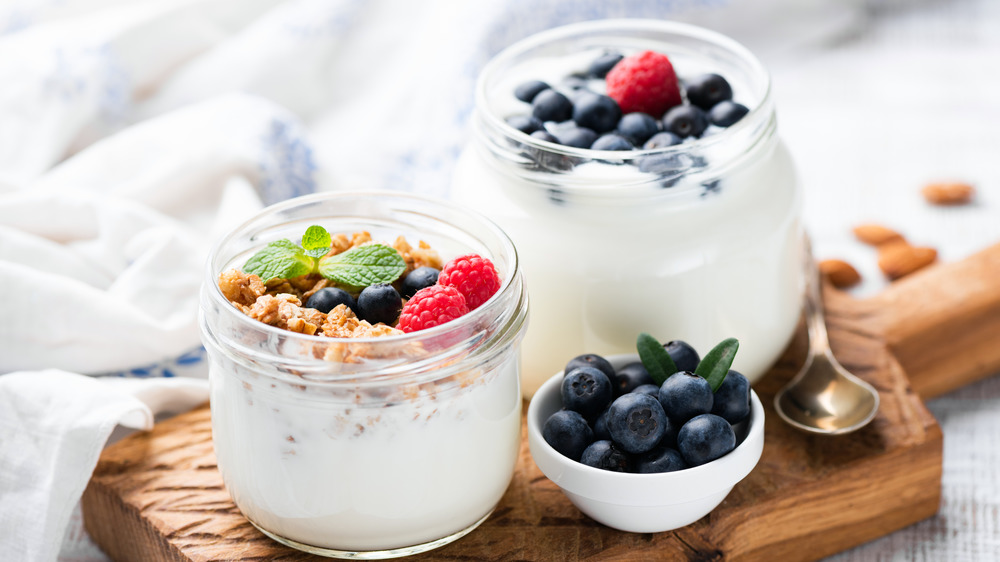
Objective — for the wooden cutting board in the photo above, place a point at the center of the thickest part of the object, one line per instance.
(158, 496)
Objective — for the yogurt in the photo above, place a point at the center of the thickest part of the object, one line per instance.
(385, 473)
(707, 245)
(367, 447)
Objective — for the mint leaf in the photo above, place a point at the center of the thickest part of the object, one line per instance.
(655, 358)
(316, 241)
(715, 365)
(363, 266)
(281, 258)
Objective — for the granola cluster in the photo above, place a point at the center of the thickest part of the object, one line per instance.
(280, 302)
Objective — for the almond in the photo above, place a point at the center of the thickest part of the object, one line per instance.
(840, 273)
(900, 259)
(948, 193)
(876, 234)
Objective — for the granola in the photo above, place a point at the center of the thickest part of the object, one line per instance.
(240, 288)
(280, 302)
(421, 256)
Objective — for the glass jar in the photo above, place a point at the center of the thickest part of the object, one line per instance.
(699, 241)
(367, 448)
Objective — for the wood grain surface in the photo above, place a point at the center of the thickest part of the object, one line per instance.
(158, 496)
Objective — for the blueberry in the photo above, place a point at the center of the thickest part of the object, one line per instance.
(546, 159)
(707, 90)
(661, 140)
(726, 113)
(705, 438)
(670, 167)
(604, 455)
(550, 105)
(638, 127)
(660, 459)
(685, 121)
(557, 196)
(698, 161)
(545, 136)
(419, 278)
(685, 395)
(632, 376)
(670, 434)
(379, 303)
(611, 141)
(684, 356)
(527, 91)
(600, 426)
(524, 123)
(600, 67)
(732, 399)
(597, 112)
(576, 82)
(577, 137)
(636, 422)
(327, 298)
(567, 432)
(595, 361)
(586, 390)
(650, 389)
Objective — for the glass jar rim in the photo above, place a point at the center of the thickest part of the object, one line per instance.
(625, 24)
(493, 311)
(758, 124)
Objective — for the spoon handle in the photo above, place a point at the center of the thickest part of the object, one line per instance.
(819, 341)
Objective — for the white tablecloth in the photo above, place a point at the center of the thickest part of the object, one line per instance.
(875, 99)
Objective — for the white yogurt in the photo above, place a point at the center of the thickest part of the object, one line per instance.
(607, 251)
(372, 477)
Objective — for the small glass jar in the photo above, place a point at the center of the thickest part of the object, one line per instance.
(699, 241)
(367, 448)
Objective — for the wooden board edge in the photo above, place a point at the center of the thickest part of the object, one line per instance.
(922, 491)
(941, 323)
(143, 541)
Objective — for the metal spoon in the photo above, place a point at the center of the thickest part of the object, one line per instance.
(824, 397)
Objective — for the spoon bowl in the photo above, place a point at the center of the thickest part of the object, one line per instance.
(824, 397)
(827, 399)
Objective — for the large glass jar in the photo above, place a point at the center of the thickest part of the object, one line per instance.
(699, 241)
(367, 448)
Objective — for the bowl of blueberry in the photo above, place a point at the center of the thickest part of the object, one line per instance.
(647, 442)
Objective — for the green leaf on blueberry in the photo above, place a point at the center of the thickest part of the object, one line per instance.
(655, 358)
(355, 269)
(715, 365)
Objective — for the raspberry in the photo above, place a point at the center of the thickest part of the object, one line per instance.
(432, 306)
(474, 276)
(644, 82)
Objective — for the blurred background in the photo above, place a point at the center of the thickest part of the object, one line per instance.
(195, 113)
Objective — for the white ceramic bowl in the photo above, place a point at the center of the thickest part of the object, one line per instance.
(643, 503)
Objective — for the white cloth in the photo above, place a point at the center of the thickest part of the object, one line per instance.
(51, 441)
(134, 132)
(112, 242)
(105, 223)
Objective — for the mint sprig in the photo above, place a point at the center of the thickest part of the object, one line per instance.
(354, 269)
(715, 365)
(363, 266)
(281, 258)
(316, 241)
(655, 358)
